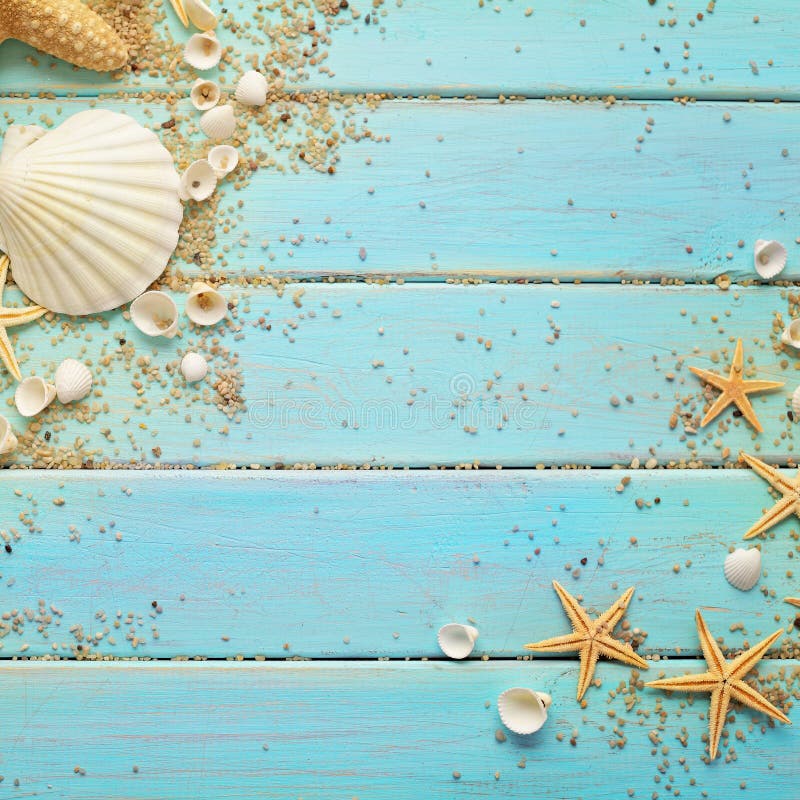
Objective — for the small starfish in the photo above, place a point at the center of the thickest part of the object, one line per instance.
(789, 489)
(10, 317)
(724, 680)
(734, 389)
(795, 601)
(590, 638)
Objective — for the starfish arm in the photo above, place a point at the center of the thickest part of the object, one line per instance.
(785, 507)
(620, 651)
(7, 355)
(748, 412)
(737, 365)
(559, 644)
(717, 713)
(717, 381)
(717, 407)
(577, 616)
(743, 663)
(610, 618)
(748, 696)
(795, 601)
(711, 652)
(589, 656)
(701, 682)
(761, 386)
(9, 317)
(4, 262)
(770, 474)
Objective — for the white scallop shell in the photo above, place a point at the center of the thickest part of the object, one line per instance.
(198, 181)
(523, 710)
(8, 442)
(218, 123)
(73, 381)
(251, 90)
(155, 314)
(743, 568)
(224, 159)
(457, 641)
(205, 305)
(33, 395)
(17, 138)
(791, 334)
(194, 367)
(203, 51)
(769, 257)
(89, 213)
(200, 14)
(204, 95)
(796, 404)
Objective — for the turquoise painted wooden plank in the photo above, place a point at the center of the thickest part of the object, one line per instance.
(369, 730)
(484, 189)
(418, 375)
(283, 564)
(448, 48)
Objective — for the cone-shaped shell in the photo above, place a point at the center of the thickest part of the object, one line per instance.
(33, 395)
(457, 641)
(155, 314)
(203, 51)
(89, 213)
(251, 90)
(204, 95)
(523, 710)
(8, 441)
(205, 305)
(17, 138)
(769, 257)
(194, 367)
(743, 568)
(73, 381)
(223, 159)
(199, 180)
(67, 29)
(201, 16)
(218, 123)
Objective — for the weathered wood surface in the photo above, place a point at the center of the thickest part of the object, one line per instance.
(366, 565)
(379, 730)
(496, 202)
(447, 48)
(510, 375)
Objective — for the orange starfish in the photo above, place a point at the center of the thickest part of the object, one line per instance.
(734, 389)
(725, 681)
(591, 638)
(795, 601)
(10, 317)
(789, 489)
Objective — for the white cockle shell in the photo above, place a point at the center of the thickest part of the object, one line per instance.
(743, 568)
(8, 441)
(198, 181)
(201, 16)
(205, 305)
(251, 90)
(796, 404)
(224, 159)
(194, 367)
(204, 95)
(73, 381)
(155, 314)
(523, 710)
(33, 395)
(17, 138)
(457, 641)
(769, 257)
(203, 51)
(791, 334)
(218, 123)
(89, 213)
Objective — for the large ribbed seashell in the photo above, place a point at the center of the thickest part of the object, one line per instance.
(523, 710)
(89, 213)
(198, 181)
(224, 159)
(155, 314)
(194, 367)
(201, 16)
(769, 257)
(218, 123)
(17, 138)
(251, 90)
(743, 568)
(457, 641)
(33, 395)
(204, 95)
(205, 305)
(203, 51)
(73, 381)
(8, 441)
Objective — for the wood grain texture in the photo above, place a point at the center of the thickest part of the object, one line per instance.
(417, 375)
(366, 565)
(496, 202)
(446, 48)
(380, 730)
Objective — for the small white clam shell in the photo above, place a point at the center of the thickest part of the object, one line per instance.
(457, 641)
(73, 381)
(203, 51)
(224, 159)
(155, 314)
(796, 404)
(194, 367)
(251, 90)
(769, 257)
(523, 710)
(204, 95)
(201, 16)
(8, 442)
(791, 334)
(199, 180)
(205, 305)
(219, 122)
(743, 568)
(33, 395)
